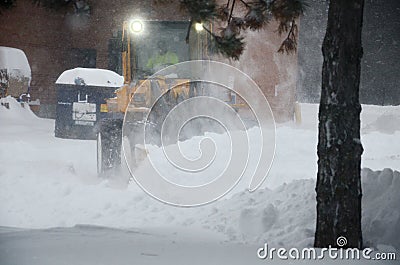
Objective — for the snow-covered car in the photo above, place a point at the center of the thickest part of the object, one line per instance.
(15, 72)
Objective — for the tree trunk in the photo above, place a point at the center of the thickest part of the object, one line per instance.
(339, 147)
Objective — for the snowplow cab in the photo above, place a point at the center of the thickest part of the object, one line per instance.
(156, 45)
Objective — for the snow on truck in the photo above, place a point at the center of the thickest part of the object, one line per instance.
(92, 102)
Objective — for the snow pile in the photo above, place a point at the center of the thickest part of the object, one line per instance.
(384, 120)
(51, 182)
(29, 149)
(286, 216)
(15, 112)
(15, 61)
(381, 207)
(296, 149)
(91, 77)
(191, 149)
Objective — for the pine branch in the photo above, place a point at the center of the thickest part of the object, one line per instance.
(228, 41)
(289, 45)
(256, 17)
(228, 46)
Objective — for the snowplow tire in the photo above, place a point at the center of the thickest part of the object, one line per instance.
(109, 141)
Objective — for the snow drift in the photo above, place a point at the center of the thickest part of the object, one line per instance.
(50, 182)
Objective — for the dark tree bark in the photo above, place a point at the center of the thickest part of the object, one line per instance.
(339, 148)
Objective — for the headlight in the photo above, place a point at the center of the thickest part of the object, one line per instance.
(136, 26)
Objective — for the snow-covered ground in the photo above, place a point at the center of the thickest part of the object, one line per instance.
(49, 182)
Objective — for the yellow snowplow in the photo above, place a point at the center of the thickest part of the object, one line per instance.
(146, 48)
(143, 92)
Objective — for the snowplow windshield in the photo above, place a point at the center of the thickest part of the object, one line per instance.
(161, 44)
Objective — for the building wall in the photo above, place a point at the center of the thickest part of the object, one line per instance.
(51, 39)
(275, 73)
(54, 42)
(23, 27)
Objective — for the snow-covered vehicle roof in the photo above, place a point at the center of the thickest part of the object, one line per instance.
(91, 77)
(15, 61)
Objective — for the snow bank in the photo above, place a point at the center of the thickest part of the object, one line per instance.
(286, 216)
(49, 182)
(15, 61)
(15, 112)
(91, 77)
(381, 207)
(384, 119)
(296, 149)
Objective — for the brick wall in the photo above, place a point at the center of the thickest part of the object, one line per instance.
(48, 37)
(274, 73)
(50, 40)
(40, 35)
